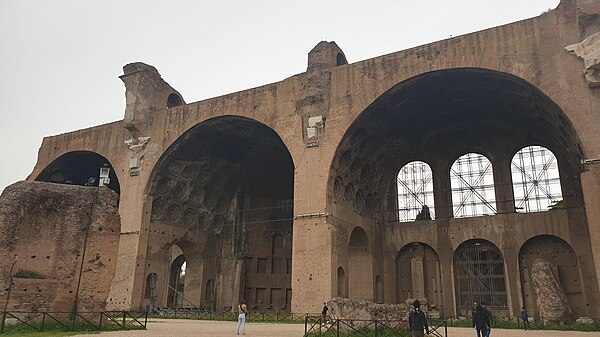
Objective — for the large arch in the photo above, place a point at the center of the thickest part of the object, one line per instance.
(440, 115)
(226, 187)
(435, 117)
(77, 168)
(567, 274)
(418, 275)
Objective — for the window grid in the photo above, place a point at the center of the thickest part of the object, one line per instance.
(415, 191)
(472, 181)
(536, 179)
(480, 276)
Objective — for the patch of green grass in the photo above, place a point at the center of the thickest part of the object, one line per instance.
(514, 324)
(363, 333)
(28, 274)
(48, 334)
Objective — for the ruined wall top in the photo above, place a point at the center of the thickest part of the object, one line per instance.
(145, 92)
(325, 55)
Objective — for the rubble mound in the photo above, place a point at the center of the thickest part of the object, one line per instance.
(551, 296)
(362, 312)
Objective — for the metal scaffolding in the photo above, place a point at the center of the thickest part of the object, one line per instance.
(479, 276)
(415, 191)
(472, 181)
(536, 180)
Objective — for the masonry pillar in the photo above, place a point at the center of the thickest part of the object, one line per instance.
(590, 184)
(512, 279)
(443, 213)
(126, 290)
(503, 184)
(312, 271)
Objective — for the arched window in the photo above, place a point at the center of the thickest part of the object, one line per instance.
(340, 59)
(174, 100)
(536, 181)
(472, 181)
(415, 192)
(150, 291)
(341, 281)
(176, 282)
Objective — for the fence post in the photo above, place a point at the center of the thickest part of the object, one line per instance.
(320, 327)
(43, 320)
(337, 334)
(3, 320)
(101, 316)
(146, 320)
(445, 329)
(124, 313)
(376, 328)
(305, 323)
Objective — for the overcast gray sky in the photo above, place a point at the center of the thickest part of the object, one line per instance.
(60, 60)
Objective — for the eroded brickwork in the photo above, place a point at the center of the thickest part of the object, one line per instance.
(63, 242)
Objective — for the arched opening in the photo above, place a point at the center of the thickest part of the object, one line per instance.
(225, 187)
(209, 295)
(174, 100)
(340, 59)
(418, 275)
(176, 282)
(81, 168)
(360, 268)
(415, 192)
(479, 277)
(150, 293)
(536, 180)
(341, 283)
(378, 289)
(550, 268)
(437, 117)
(472, 181)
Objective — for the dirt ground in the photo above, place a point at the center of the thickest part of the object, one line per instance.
(193, 328)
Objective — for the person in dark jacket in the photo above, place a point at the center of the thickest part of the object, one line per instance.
(481, 321)
(490, 316)
(525, 318)
(417, 320)
(324, 314)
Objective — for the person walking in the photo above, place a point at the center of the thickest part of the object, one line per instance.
(481, 321)
(324, 314)
(490, 317)
(242, 310)
(417, 320)
(525, 318)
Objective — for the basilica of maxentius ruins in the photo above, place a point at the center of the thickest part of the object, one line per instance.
(465, 170)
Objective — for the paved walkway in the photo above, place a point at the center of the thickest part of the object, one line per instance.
(195, 328)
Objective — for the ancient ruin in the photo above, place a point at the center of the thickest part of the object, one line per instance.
(59, 246)
(441, 172)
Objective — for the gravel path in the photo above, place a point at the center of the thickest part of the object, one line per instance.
(195, 328)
